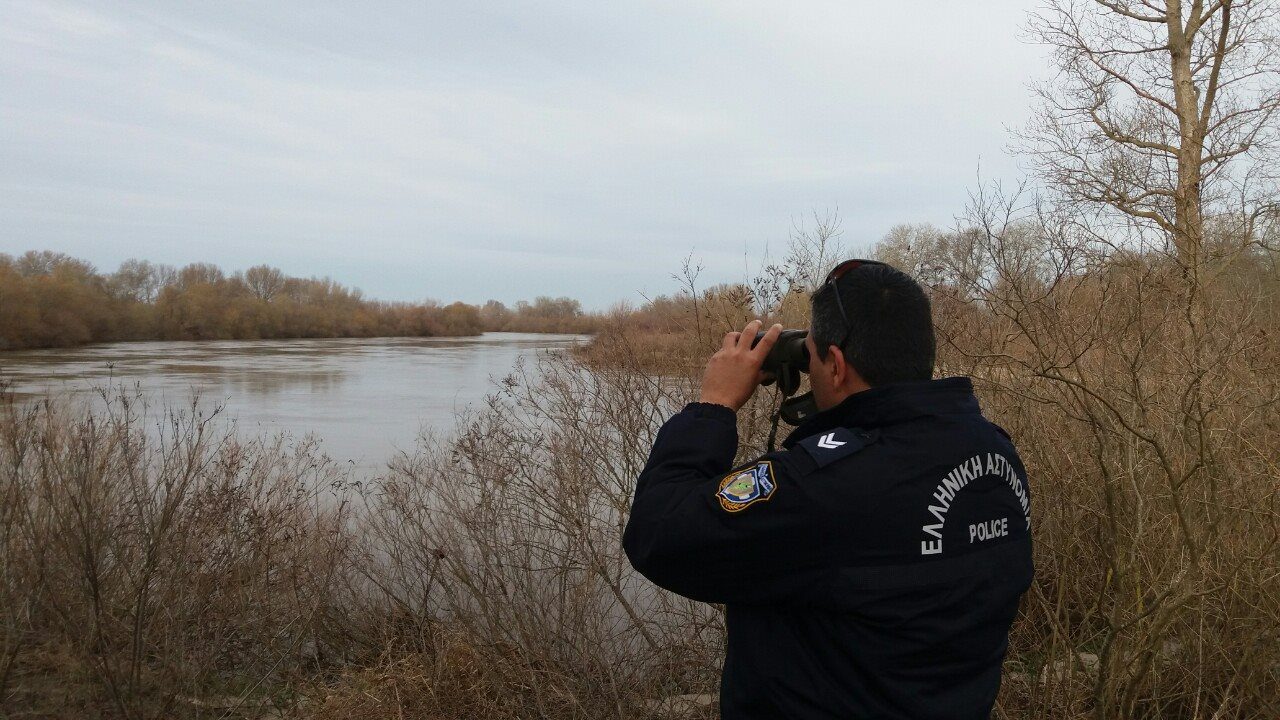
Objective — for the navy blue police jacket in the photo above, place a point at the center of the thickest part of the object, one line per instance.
(870, 568)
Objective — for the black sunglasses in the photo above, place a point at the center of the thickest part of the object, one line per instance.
(836, 273)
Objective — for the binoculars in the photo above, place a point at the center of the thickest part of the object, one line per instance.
(787, 359)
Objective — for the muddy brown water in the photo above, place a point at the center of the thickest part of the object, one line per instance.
(364, 399)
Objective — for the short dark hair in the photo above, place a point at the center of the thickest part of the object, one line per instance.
(890, 324)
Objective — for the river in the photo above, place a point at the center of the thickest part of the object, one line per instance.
(363, 399)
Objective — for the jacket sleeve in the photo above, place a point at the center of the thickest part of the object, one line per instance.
(689, 537)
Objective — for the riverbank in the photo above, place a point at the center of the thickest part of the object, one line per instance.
(50, 300)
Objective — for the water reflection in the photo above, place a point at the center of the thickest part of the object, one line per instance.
(363, 398)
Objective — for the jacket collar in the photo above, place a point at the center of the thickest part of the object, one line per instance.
(892, 403)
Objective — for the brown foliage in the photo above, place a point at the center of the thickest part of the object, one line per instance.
(51, 300)
(543, 315)
(1144, 401)
(144, 570)
(1143, 398)
(482, 575)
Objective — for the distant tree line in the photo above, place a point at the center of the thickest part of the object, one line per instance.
(543, 315)
(50, 299)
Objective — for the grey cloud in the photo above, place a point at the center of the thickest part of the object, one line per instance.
(476, 150)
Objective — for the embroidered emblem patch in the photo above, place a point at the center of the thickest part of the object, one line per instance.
(744, 487)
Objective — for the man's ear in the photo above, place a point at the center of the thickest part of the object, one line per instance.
(839, 368)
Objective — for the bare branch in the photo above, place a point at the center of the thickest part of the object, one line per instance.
(1119, 9)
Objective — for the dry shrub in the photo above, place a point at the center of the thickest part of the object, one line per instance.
(672, 335)
(447, 681)
(482, 575)
(508, 537)
(1142, 393)
(158, 572)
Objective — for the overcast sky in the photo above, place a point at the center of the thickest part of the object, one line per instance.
(476, 150)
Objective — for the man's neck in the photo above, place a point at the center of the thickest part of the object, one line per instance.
(846, 391)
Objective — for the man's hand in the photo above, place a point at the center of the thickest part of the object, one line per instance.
(733, 373)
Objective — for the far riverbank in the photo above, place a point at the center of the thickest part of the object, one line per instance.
(52, 300)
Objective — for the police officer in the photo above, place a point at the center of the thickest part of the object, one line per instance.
(872, 567)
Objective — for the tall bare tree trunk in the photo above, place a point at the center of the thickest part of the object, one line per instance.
(1188, 219)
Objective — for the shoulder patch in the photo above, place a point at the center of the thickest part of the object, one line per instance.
(741, 488)
(825, 448)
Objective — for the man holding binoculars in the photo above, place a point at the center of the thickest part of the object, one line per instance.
(871, 568)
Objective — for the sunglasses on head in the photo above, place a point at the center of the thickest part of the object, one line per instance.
(836, 273)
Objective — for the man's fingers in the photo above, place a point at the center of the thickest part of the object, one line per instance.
(730, 339)
(748, 335)
(766, 342)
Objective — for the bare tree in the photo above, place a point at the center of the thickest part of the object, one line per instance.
(46, 262)
(137, 280)
(812, 251)
(1163, 111)
(264, 281)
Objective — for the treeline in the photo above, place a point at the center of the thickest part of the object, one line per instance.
(50, 299)
(543, 315)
